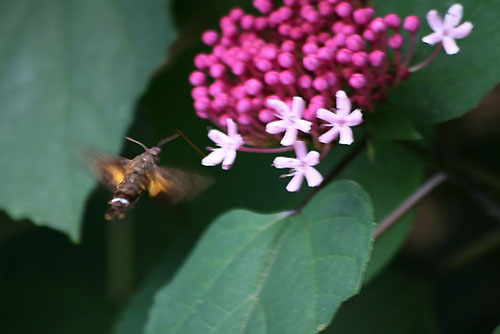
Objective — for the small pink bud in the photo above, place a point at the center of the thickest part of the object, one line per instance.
(311, 63)
(262, 64)
(377, 58)
(310, 112)
(325, 53)
(210, 37)
(412, 23)
(217, 70)
(309, 13)
(272, 78)
(220, 102)
(285, 13)
(337, 27)
(202, 104)
(331, 78)
(324, 36)
(363, 15)
(198, 92)
(244, 105)
(260, 23)
(216, 88)
(296, 33)
(359, 58)
(325, 9)
(236, 13)
(269, 52)
(343, 9)
(201, 61)
(223, 120)
(238, 68)
(305, 81)
(355, 43)
(288, 46)
(239, 92)
(392, 21)
(320, 83)
(257, 103)
(318, 100)
(197, 78)
(378, 25)
(309, 48)
(286, 60)
(396, 41)
(290, 2)
(307, 28)
(357, 81)
(264, 6)
(253, 86)
(244, 119)
(343, 56)
(247, 22)
(369, 35)
(266, 116)
(284, 29)
(348, 29)
(287, 78)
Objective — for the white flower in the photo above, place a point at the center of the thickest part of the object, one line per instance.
(448, 30)
(341, 121)
(300, 167)
(291, 120)
(228, 145)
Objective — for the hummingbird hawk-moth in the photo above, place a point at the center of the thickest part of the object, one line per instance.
(131, 178)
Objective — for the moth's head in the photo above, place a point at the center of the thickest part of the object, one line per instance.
(155, 150)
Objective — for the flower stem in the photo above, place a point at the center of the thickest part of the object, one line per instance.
(433, 55)
(266, 150)
(408, 204)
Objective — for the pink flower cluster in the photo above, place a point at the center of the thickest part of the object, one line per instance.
(275, 76)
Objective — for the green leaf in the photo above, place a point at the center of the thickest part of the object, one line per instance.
(391, 304)
(71, 71)
(274, 273)
(497, 330)
(451, 85)
(389, 123)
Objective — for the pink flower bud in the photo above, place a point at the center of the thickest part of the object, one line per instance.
(260, 23)
(223, 120)
(296, 33)
(244, 119)
(220, 102)
(236, 13)
(325, 9)
(331, 78)
(307, 28)
(396, 41)
(363, 15)
(202, 104)
(311, 63)
(359, 58)
(378, 25)
(285, 13)
(266, 116)
(287, 78)
(286, 60)
(200, 61)
(369, 35)
(343, 56)
(355, 43)
(337, 27)
(357, 81)
(216, 88)
(269, 52)
(257, 103)
(309, 48)
(320, 84)
(284, 29)
(377, 58)
(305, 81)
(343, 9)
(197, 78)
(210, 37)
(272, 78)
(318, 100)
(244, 105)
(253, 86)
(247, 22)
(217, 70)
(412, 23)
(392, 21)
(238, 92)
(348, 29)
(288, 46)
(238, 68)
(264, 6)
(310, 112)
(262, 64)
(198, 92)
(326, 54)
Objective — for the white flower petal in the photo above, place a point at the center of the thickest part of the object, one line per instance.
(462, 30)
(295, 183)
(450, 46)
(433, 38)
(290, 136)
(298, 106)
(346, 135)
(276, 127)
(231, 128)
(329, 136)
(327, 115)
(229, 159)
(313, 177)
(218, 137)
(454, 15)
(311, 159)
(214, 158)
(354, 118)
(434, 21)
(278, 105)
(300, 149)
(343, 104)
(303, 125)
(284, 162)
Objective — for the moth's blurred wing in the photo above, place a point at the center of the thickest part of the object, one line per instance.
(175, 185)
(107, 169)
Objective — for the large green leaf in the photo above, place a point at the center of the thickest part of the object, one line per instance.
(71, 71)
(391, 304)
(497, 330)
(451, 85)
(274, 273)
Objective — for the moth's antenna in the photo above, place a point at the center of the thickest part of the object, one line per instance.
(196, 148)
(166, 140)
(137, 142)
